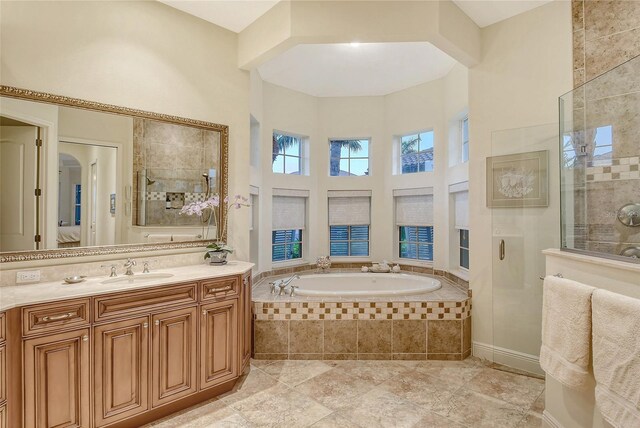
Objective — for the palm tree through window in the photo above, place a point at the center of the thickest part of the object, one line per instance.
(348, 158)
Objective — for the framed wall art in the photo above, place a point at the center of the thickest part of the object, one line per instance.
(518, 180)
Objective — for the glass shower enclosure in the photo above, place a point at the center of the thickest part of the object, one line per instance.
(600, 165)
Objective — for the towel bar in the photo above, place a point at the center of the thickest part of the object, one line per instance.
(199, 236)
(559, 275)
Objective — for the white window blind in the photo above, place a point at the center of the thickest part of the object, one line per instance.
(414, 210)
(461, 201)
(349, 208)
(288, 212)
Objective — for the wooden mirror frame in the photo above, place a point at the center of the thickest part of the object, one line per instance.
(25, 94)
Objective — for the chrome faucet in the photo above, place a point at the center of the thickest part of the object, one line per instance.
(282, 286)
(293, 289)
(128, 265)
(288, 280)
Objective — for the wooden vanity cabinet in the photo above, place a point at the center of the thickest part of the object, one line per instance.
(127, 358)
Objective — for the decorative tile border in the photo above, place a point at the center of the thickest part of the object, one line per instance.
(433, 310)
(188, 196)
(156, 196)
(620, 169)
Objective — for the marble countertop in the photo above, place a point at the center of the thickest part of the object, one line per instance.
(29, 294)
(448, 292)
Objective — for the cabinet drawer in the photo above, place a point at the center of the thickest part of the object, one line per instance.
(220, 288)
(123, 304)
(3, 327)
(55, 316)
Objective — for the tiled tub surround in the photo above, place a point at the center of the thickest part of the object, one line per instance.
(434, 326)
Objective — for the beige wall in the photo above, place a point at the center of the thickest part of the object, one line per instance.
(381, 118)
(138, 54)
(605, 34)
(525, 66)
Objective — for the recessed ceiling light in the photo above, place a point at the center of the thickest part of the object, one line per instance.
(354, 44)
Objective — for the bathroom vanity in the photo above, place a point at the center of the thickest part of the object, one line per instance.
(122, 354)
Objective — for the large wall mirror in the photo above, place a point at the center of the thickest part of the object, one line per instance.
(83, 178)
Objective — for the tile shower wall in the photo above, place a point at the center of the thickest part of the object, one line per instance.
(171, 160)
(605, 35)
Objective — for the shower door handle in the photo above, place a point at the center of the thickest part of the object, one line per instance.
(501, 250)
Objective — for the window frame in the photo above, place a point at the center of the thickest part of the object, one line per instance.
(301, 243)
(461, 249)
(399, 148)
(349, 157)
(464, 142)
(77, 206)
(302, 170)
(417, 243)
(348, 241)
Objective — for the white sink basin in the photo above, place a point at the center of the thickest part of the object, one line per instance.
(137, 278)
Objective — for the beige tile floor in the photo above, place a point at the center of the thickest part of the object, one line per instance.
(368, 394)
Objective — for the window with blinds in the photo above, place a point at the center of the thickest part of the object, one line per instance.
(349, 221)
(460, 194)
(414, 220)
(288, 224)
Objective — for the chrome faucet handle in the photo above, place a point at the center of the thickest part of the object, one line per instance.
(145, 265)
(113, 270)
(293, 289)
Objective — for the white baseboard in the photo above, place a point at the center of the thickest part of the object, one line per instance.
(549, 421)
(518, 360)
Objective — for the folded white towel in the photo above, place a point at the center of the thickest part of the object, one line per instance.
(158, 237)
(616, 357)
(566, 331)
(185, 237)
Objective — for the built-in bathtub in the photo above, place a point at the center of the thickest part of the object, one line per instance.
(364, 285)
(353, 315)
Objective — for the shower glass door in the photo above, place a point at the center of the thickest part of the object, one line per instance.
(523, 195)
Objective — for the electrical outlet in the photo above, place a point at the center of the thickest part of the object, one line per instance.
(27, 276)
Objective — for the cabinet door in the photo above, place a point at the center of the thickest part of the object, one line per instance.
(3, 373)
(121, 370)
(246, 318)
(56, 380)
(218, 343)
(175, 353)
(3, 416)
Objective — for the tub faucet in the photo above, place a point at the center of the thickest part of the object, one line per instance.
(288, 280)
(282, 286)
